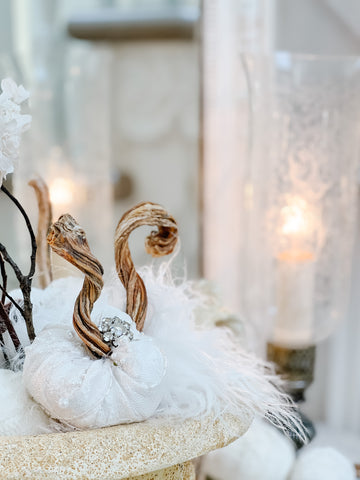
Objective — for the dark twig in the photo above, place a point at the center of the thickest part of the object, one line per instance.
(5, 320)
(6, 363)
(10, 261)
(2, 331)
(30, 229)
(14, 302)
(24, 280)
(4, 278)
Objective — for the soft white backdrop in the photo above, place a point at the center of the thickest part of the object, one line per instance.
(310, 26)
(161, 153)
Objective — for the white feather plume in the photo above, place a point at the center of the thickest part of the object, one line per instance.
(208, 367)
(19, 414)
(209, 370)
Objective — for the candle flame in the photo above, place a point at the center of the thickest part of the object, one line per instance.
(295, 217)
(62, 191)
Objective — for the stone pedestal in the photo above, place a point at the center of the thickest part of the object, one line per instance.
(156, 449)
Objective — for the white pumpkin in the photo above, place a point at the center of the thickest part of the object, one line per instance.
(87, 378)
(91, 377)
(87, 392)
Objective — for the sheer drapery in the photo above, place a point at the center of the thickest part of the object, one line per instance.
(229, 28)
(335, 395)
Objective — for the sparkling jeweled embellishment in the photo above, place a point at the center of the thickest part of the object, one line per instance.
(113, 329)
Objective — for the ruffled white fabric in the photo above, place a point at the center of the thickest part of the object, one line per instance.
(12, 124)
(85, 392)
(209, 368)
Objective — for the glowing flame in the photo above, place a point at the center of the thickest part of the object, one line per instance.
(295, 217)
(62, 191)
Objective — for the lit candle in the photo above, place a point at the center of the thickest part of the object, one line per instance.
(67, 196)
(295, 276)
(61, 192)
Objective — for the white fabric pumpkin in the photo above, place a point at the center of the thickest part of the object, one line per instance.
(263, 453)
(85, 392)
(322, 463)
(205, 369)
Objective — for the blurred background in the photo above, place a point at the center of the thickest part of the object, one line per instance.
(115, 120)
(191, 104)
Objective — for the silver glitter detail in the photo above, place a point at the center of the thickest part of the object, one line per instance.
(105, 324)
(113, 329)
(107, 336)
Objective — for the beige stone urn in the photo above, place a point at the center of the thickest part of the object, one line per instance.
(155, 449)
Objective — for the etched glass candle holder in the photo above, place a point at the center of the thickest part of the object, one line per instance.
(302, 182)
(300, 191)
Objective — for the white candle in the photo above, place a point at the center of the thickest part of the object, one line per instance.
(294, 298)
(295, 274)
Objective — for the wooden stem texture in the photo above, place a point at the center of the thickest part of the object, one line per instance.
(160, 242)
(44, 222)
(67, 239)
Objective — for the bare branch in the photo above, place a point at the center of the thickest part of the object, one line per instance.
(10, 261)
(4, 317)
(30, 229)
(14, 302)
(4, 278)
(24, 280)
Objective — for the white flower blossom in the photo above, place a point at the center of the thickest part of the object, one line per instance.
(12, 124)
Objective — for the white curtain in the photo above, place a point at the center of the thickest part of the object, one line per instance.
(229, 28)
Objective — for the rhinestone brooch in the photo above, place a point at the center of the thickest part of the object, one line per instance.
(112, 329)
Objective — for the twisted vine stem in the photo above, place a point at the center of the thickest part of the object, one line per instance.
(67, 239)
(160, 242)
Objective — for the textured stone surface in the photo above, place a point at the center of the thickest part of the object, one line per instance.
(117, 452)
(183, 471)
